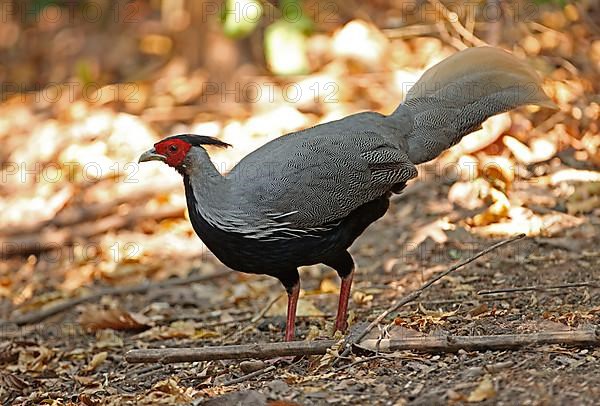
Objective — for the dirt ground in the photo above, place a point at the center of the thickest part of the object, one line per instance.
(66, 232)
(550, 375)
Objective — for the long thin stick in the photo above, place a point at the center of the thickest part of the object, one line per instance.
(438, 344)
(48, 240)
(452, 18)
(258, 351)
(249, 376)
(415, 294)
(254, 319)
(541, 288)
(37, 316)
(485, 343)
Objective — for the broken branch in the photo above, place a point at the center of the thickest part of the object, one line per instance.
(485, 343)
(37, 316)
(415, 294)
(436, 344)
(258, 350)
(249, 376)
(539, 288)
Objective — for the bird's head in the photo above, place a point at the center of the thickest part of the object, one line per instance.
(173, 150)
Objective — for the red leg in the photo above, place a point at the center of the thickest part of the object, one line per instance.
(341, 322)
(290, 325)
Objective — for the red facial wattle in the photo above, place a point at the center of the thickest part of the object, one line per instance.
(174, 151)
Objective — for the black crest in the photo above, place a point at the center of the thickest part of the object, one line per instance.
(199, 140)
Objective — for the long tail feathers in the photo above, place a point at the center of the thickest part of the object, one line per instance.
(454, 97)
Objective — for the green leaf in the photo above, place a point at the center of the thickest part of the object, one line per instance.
(241, 17)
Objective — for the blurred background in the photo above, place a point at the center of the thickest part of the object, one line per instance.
(87, 86)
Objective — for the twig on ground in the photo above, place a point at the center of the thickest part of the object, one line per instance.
(40, 315)
(540, 288)
(415, 294)
(205, 324)
(265, 309)
(254, 319)
(549, 123)
(141, 373)
(413, 30)
(73, 215)
(436, 344)
(454, 21)
(450, 39)
(258, 351)
(491, 368)
(249, 376)
(50, 239)
(485, 343)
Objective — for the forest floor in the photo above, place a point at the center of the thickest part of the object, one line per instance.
(91, 369)
(80, 217)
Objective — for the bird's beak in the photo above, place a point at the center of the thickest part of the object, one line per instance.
(151, 155)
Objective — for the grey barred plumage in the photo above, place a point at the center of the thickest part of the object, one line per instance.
(457, 95)
(342, 169)
(305, 197)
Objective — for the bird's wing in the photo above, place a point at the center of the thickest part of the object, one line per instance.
(317, 176)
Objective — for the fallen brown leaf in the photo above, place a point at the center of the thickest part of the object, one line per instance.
(177, 329)
(93, 319)
(12, 381)
(35, 358)
(484, 391)
(169, 391)
(85, 380)
(97, 360)
(107, 339)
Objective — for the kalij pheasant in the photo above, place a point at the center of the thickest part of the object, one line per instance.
(303, 198)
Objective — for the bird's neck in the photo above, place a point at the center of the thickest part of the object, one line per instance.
(206, 189)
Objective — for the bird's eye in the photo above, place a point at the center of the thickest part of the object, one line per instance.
(173, 148)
